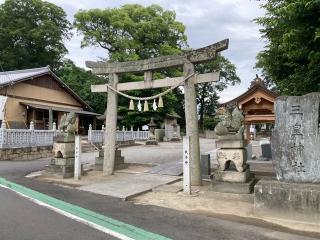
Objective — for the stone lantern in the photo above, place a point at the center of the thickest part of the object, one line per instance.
(152, 139)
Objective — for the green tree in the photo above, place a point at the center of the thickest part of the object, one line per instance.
(131, 32)
(134, 32)
(32, 34)
(80, 81)
(207, 93)
(291, 57)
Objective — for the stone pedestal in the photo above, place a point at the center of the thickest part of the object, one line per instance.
(119, 161)
(295, 149)
(63, 162)
(152, 141)
(63, 149)
(233, 174)
(294, 201)
(236, 156)
(234, 187)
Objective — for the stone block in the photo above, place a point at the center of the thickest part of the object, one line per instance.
(226, 156)
(65, 138)
(230, 143)
(205, 166)
(120, 166)
(118, 153)
(295, 138)
(98, 167)
(233, 187)
(266, 150)
(159, 134)
(34, 149)
(151, 142)
(15, 150)
(295, 201)
(101, 153)
(232, 176)
(63, 161)
(63, 150)
(99, 160)
(249, 151)
(67, 171)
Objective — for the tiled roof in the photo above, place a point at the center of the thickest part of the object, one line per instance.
(12, 77)
(18, 75)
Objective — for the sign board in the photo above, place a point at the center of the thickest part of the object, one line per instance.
(186, 165)
(77, 158)
(3, 100)
(145, 127)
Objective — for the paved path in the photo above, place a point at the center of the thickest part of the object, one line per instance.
(163, 153)
(166, 222)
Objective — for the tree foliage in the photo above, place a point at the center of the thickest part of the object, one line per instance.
(207, 93)
(80, 81)
(131, 32)
(292, 54)
(32, 34)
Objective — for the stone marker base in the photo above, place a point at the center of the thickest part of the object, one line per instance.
(118, 164)
(175, 139)
(294, 201)
(99, 167)
(151, 142)
(232, 176)
(233, 187)
(63, 168)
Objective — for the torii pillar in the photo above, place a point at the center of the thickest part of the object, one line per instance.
(192, 128)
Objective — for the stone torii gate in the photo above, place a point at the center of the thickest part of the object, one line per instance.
(187, 60)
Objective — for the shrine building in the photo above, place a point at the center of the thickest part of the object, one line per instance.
(38, 95)
(257, 104)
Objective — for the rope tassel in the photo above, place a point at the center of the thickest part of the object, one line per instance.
(131, 105)
(160, 103)
(146, 106)
(139, 106)
(154, 105)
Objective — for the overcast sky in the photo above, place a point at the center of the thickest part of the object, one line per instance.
(206, 21)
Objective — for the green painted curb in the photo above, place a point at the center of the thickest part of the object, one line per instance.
(101, 220)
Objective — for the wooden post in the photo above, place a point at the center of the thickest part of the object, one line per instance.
(50, 119)
(111, 123)
(186, 165)
(192, 124)
(77, 158)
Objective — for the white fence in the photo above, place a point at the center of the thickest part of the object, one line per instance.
(15, 138)
(97, 136)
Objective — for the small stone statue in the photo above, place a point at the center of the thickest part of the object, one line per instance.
(229, 124)
(68, 123)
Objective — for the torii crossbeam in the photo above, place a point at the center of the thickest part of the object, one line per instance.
(187, 60)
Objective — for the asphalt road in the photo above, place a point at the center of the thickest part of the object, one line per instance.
(21, 219)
